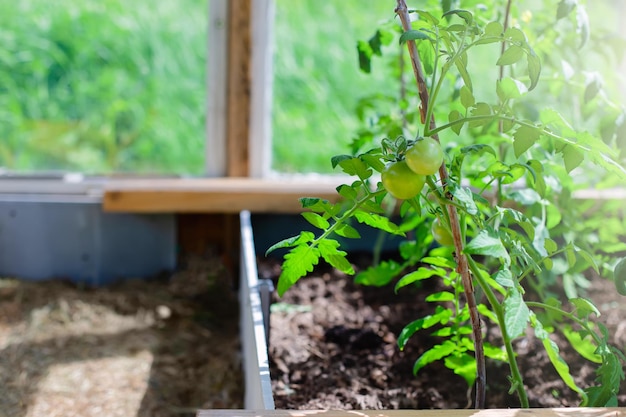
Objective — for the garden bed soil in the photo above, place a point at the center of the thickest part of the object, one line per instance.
(160, 347)
(333, 346)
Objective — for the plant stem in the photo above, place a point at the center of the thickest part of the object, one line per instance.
(505, 26)
(516, 376)
(455, 225)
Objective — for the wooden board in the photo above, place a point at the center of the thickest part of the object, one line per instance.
(239, 88)
(213, 195)
(530, 412)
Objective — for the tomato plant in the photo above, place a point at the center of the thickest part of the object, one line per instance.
(498, 202)
(400, 181)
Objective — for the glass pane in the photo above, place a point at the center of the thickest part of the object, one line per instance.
(317, 81)
(318, 86)
(103, 86)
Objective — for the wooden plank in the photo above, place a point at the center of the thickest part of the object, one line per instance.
(511, 412)
(239, 88)
(213, 195)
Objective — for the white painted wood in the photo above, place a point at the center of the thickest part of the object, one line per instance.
(217, 71)
(260, 135)
(258, 384)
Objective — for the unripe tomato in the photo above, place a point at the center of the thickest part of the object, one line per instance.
(441, 233)
(425, 156)
(401, 182)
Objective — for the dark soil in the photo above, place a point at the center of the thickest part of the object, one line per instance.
(333, 346)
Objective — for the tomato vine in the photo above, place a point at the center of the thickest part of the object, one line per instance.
(496, 220)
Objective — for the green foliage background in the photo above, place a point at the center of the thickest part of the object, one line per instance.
(101, 86)
(113, 86)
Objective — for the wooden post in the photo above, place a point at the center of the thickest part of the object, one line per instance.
(239, 88)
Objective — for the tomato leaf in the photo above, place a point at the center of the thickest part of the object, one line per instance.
(434, 354)
(378, 222)
(302, 238)
(441, 315)
(420, 274)
(378, 275)
(557, 361)
(516, 313)
(329, 249)
(316, 220)
(511, 55)
(299, 262)
(488, 243)
(413, 35)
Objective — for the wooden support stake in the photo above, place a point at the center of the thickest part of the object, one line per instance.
(239, 88)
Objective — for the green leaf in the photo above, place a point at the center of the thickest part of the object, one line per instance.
(463, 365)
(365, 53)
(594, 84)
(511, 55)
(345, 230)
(378, 275)
(494, 29)
(420, 274)
(439, 261)
(433, 354)
(509, 88)
(463, 14)
(584, 307)
(572, 158)
(299, 262)
(440, 316)
(440, 296)
(480, 109)
(564, 8)
(534, 68)
(619, 276)
(488, 243)
(453, 116)
(465, 196)
(557, 361)
(316, 220)
(461, 66)
(308, 202)
(347, 192)
(467, 98)
(378, 222)
(504, 277)
(583, 345)
(428, 17)
(516, 313)
(355, 166)
(329, 249)
(302, 238)
(335, 160)
(373, 161)
(514, 34)
(413, 35)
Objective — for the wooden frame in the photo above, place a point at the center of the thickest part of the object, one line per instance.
(511, 412)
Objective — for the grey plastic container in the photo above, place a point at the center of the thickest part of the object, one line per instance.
(70, 237)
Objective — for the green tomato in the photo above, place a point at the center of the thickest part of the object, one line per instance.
(425, 156)
(619, 276)
(441, 233)
(401, 182)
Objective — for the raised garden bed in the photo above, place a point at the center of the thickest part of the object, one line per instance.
(332, 345)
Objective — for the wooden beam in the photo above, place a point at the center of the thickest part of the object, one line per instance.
(510, 412)
(239, 88)
(213, 195)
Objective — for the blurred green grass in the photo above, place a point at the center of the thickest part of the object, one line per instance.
(317, 82)
(116, 86)
(103, 86)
